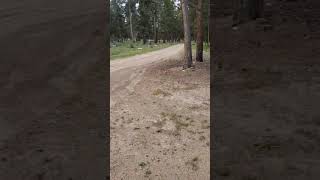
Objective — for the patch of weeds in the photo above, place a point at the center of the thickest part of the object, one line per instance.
(179, 122)
(193, 163)
(177, 119)
(195, 107)
(159, 92)
(181, 125)
(191, 132)
(186, 87)
(205, 124)
(202, 138)
(142, 164)
(148, 173)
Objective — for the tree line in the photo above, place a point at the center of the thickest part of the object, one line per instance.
(159, 21)
(173, 20)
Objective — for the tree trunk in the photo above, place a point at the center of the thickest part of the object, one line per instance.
(144, 39)
(200, 36)
(131, 26)
(187, 33)
(156, 38)
(155, 25)
(211, 34)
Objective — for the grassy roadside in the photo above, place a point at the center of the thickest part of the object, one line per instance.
(126, 49)
(206, 47)
(206, 50)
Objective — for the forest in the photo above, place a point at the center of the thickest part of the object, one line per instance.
(147, 22)
(156, 20)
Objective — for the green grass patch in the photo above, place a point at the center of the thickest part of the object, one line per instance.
(161, 92)
(206, 47)
(128, 48)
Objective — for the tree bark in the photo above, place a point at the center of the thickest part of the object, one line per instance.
(144, 39)
(131, 26)
(187, 33)
(156, 36)
(200, 35)
(155, 25)
(211, 32)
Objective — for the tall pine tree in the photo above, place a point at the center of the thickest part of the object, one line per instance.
(145, 20)
(117, 20)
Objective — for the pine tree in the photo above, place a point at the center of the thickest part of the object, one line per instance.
(145, 20)
(187, 33)
(131, 16)
(199, 49)
(117, 20)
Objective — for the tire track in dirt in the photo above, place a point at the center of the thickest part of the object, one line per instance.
(127, 72)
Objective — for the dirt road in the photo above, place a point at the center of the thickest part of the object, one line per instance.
(159, 117)
(125, 73)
